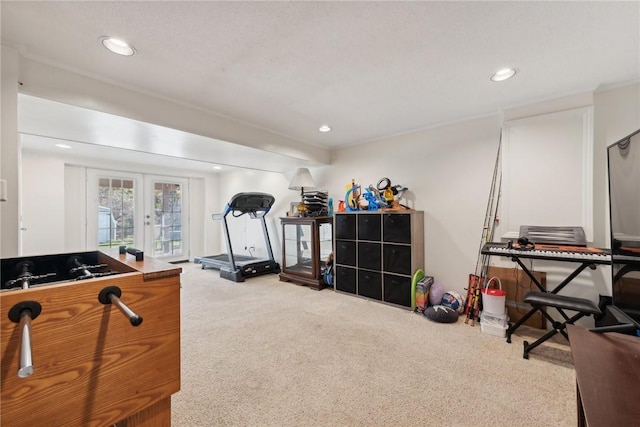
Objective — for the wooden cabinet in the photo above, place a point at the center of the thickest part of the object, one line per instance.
(306, 244)
(377, 253)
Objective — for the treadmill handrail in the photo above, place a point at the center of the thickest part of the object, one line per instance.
(256, 205)
(251, 202)
(253, 215)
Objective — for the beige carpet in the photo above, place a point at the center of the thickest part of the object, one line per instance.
(272, 353)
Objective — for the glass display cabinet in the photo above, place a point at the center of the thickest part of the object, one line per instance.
(306, 244)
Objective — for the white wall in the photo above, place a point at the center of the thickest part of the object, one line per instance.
(196, 203)
(10, 158)
(54, 193)
(75, 206)
(552, 150)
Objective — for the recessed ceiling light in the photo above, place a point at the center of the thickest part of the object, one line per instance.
(63, 146)
(217, 167)
(324, 128)
(118, 46)
(504, 74)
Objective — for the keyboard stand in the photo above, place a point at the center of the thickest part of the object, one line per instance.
(562, 284)
(558, 288)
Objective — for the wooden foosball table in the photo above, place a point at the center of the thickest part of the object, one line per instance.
(89, 339)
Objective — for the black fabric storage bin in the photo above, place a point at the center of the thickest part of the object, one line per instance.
(370, 284)
(345, 227)
(369, 255)
(345, 278)
(397, 228)
(397, 259)
(369, 227)
(397, 289)
(345, 252)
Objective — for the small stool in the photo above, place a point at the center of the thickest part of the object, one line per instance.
(582, 306)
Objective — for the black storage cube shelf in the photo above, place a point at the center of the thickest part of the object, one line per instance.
(376, 254)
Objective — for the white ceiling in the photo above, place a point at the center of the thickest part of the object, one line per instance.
(368, 69)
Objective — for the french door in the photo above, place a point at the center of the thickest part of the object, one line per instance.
(146, 212)
(167, 218)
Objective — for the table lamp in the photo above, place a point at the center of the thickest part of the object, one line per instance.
(301, 179)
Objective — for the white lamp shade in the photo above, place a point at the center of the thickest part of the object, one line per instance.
(301, 179)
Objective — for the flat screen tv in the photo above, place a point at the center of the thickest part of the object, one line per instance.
(624, 212)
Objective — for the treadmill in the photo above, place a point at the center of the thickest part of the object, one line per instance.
(238, 267)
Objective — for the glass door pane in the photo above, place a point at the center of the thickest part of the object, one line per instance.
(297, 248)
(326, 241)
(167, 224)
(166, 218)
(116, 212)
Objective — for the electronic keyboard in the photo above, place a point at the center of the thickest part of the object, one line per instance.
(549, 252)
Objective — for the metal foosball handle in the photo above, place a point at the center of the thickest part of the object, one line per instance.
(23, 313)
(111, 295)
(80, 271)
(25, 277)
